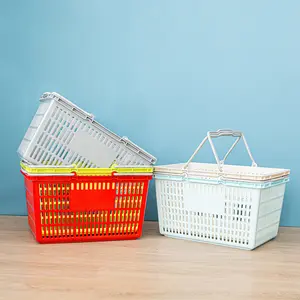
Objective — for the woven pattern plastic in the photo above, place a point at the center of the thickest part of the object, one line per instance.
(86, 208)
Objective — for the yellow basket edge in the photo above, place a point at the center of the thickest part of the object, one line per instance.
(85, 171)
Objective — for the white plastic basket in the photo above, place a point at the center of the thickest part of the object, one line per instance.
(62, 133)
(221, 204)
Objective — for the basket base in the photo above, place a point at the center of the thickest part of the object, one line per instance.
(86, 239)
(216, 243)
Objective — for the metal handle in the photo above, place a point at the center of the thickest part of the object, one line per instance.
(218, 133)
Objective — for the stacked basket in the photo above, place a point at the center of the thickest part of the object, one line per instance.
(83, 182)
(221, 204)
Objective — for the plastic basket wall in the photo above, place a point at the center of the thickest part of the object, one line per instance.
(86, 208)
(61, 133)
(228, 215)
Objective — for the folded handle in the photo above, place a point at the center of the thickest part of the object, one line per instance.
(218, 133)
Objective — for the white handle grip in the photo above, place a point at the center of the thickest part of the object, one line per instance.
(218, 133)
(225, 132)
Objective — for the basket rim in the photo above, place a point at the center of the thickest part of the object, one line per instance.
(222, 181)
(72, 169)
(230, 172)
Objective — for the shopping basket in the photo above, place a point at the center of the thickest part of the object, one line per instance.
(63, 133)
(221, 204)
(68, 204)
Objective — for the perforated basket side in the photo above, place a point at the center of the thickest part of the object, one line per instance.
(215, 214)
(226, 215)
(30, 135)
(87, 208)
(270, 206)
(128, 152)
(65, 134)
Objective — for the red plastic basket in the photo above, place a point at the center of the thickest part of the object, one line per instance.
(86, 208)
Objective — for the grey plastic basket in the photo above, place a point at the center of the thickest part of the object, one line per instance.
(61, 133)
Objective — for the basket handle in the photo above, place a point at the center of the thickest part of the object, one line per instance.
(218, 133)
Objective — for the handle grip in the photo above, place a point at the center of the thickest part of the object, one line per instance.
(224, 132)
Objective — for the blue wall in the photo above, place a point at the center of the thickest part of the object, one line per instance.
(160, 72)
